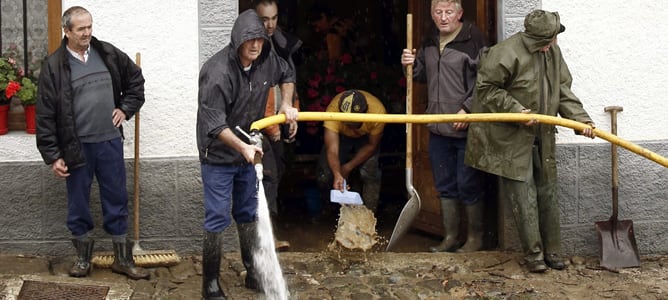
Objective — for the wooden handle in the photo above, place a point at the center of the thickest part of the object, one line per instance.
(409, 93)
(614, 157)
(136, 179)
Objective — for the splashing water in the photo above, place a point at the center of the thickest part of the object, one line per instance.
(265, 259)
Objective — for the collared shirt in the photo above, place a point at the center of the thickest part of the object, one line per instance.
(76, 54)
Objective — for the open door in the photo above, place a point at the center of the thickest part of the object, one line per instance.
(483, 14)
(383, 27)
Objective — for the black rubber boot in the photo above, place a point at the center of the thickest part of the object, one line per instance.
(82, 266)
(555, 261)
(211, 289)
(248, 241)
(124, 263)
(474, 228)
(450, 214)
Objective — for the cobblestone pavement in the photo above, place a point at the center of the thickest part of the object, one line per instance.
(358, 276)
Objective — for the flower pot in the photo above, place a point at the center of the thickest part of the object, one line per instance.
(4, 113)
(29, 111)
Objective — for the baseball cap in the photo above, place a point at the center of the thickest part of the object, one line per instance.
(353, 101)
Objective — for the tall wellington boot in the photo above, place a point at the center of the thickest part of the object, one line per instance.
(124, 263)
(249, 243)
(474, 228)
(82, 265)
(450, 214)
(211, 289)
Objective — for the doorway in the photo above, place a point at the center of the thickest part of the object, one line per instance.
(377, 38)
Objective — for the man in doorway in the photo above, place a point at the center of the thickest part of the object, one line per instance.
(526, 73)
(284, 45)
(447, 61)
(87, 88)
(353, 145)
(233, 88)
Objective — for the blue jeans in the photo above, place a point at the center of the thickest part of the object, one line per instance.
(452, 178)
(105, 161)
(229, 188)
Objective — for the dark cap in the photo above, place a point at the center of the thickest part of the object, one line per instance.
(352, 101)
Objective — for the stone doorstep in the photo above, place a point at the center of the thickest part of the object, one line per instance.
(117, 291)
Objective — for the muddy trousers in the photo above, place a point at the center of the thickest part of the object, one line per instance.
(370, 172)
(535, 208)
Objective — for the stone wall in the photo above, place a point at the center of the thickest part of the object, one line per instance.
(170, 206)
(32, 220)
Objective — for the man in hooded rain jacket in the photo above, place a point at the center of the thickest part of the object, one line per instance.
(233, 89)
(526, 74)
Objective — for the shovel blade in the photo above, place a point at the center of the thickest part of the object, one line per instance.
(406, 217)
(618, 247)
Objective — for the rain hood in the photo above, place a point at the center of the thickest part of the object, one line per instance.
(249, 26)
(541, 27)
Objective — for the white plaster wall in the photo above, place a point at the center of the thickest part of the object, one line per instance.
(165, 33)
(617, 51)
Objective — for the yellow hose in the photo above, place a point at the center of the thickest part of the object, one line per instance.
(449, 118)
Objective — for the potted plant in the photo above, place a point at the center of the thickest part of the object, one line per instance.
(16, 81)
(28, 94)
(8, 87)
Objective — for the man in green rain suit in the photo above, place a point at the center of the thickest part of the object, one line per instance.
(526, 74)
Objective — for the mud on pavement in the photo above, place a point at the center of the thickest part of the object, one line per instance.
(375, 275)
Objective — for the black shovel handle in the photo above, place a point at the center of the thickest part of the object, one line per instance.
(613, 154)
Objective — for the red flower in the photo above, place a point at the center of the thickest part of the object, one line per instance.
(402, 81)
(315, 82)
(12, 88)
(346, 59)
(312, 93)
(373, 75)
(329, 78)
(340, 89)
(326, 100)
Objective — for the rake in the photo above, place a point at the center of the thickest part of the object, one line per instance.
(142, 258)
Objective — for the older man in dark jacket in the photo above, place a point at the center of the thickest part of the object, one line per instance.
(233, 89)
(447, 61)
(87, 88)
(526, 74)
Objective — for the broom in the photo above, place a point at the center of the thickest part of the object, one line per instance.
(142, 258)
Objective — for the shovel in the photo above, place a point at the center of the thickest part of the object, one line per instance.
(616, 238)
(412, 207)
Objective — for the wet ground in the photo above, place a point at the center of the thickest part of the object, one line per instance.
(330, 275)
(313, 272)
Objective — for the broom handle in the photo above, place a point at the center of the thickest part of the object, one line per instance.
(136, 179)
(409, 95)
(613, 154)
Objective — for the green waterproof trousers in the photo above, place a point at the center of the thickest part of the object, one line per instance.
(535, 209)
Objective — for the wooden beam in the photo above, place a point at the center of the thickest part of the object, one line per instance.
(54, 13)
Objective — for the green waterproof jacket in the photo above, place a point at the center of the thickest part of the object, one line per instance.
(514, 75)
